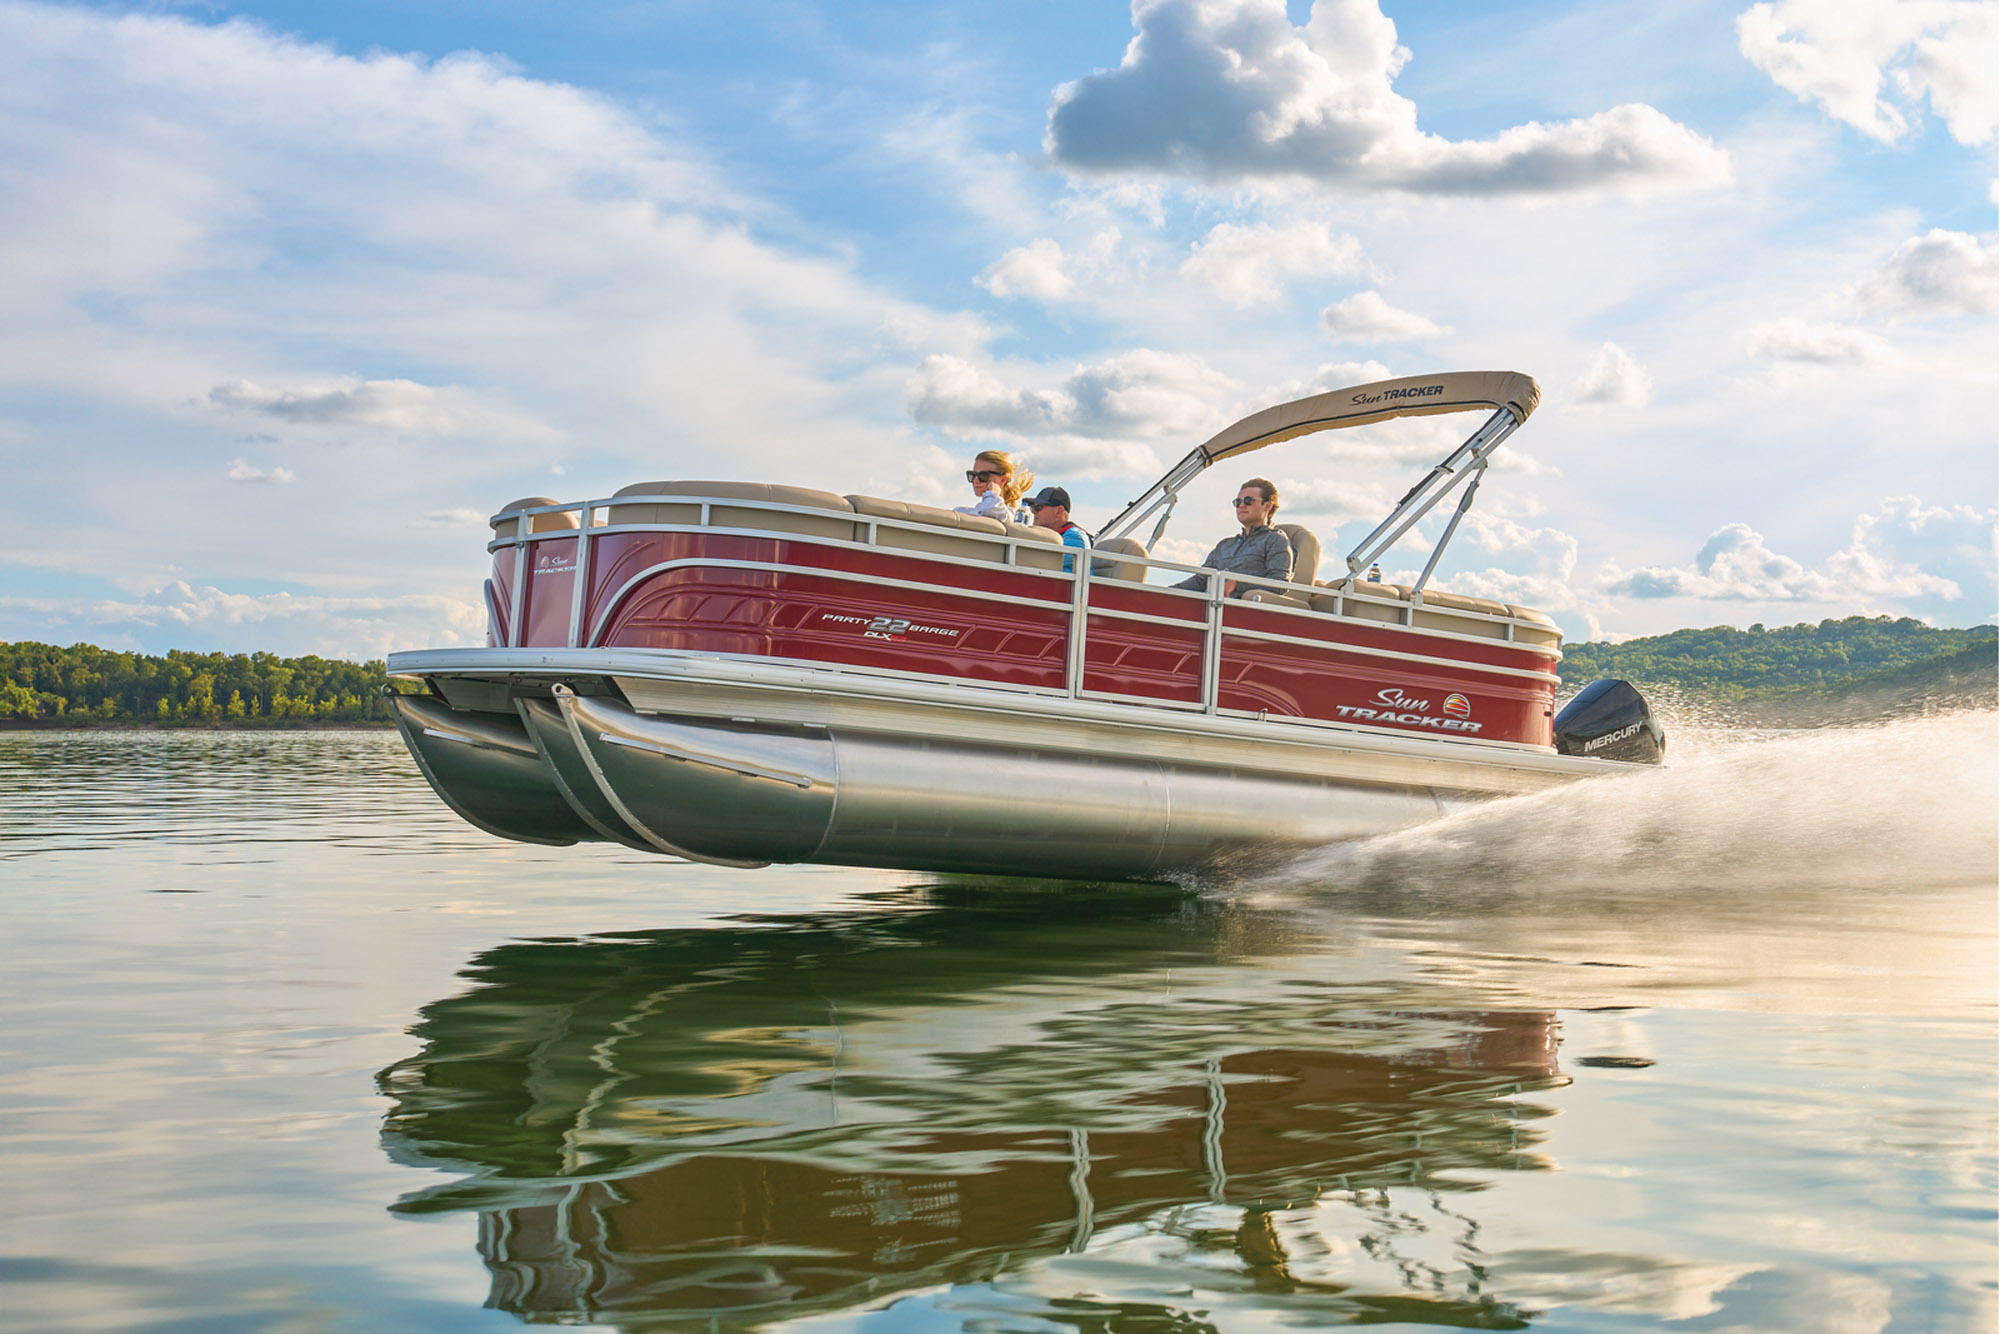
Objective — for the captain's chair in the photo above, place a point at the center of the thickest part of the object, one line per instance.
(1118, 569)
(1305, 552)
(1305, 564)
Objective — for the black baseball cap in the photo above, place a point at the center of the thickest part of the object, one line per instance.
(1048, 495)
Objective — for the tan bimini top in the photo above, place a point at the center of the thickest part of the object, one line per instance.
(1361, 405)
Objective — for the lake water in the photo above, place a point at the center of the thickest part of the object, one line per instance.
(287, 1047)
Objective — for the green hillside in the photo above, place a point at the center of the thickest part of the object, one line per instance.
(1835, 671)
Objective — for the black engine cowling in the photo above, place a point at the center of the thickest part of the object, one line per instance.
(1609, 720)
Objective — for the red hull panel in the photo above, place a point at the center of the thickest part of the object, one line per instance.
(851, 607)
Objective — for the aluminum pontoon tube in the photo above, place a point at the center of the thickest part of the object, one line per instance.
(738, 794)
(483, 766)
(572, 778)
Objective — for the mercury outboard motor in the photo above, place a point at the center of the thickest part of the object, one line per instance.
(1609, 720)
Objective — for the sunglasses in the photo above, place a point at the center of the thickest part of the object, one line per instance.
(984, 476)
(1241, 501)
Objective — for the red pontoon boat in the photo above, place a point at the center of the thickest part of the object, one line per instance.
(742, 673)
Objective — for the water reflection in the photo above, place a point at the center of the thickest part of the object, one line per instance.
(1775, 1107)
(820, 1112)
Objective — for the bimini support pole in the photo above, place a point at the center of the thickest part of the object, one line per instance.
(1165, 492)
(1468, 461)
(1478, 475)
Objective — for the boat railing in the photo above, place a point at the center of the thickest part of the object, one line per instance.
(585, 522)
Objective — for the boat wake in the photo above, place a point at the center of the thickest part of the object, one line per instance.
(1906, 806)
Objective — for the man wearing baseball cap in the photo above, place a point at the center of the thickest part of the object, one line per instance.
(1051, 507)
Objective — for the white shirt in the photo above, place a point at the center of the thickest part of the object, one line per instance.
(994, 506)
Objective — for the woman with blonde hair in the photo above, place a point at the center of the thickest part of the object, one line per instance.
(997, 487)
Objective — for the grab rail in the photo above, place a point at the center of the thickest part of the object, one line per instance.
(1077, 606)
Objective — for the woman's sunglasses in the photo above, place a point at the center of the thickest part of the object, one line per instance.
(984, 476)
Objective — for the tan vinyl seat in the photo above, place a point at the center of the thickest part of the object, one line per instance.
(1543, 632)
(1438, 607)
(1029, 556)
(733, 516)
(507, 523)
(1305, 552)
(1130, 571)
(1441, 610)
(945, 532)
(1361, 610)
(1279, 597)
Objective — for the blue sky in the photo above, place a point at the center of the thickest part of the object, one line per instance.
(292, 296)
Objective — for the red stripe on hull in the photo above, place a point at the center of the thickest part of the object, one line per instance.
(1017, 635)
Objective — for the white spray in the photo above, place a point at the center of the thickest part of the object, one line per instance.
(1906, 806)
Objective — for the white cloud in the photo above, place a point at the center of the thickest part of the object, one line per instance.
(1311, 500)
(1074, 458)
(1827, 343)
(1228, 90)
(454, 518)
(392, 405)
(1186, 550)
(1532, 566)
(1734, 564)
(1248, 265)
(1043, 271)
(1542, 560)
(1957, 542)
(348, 627)
(1871, 63)
(210, 221)
(529, 240)
(1542, 592)
(1884, 560)
(1366, 318)
(239, 471)
(1939, 273)
(1035, 270)
(1400, 442)
(1141, 394)
(1345, 374)
(1614, 379)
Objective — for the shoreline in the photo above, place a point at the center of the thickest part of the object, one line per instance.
(1787, 714)
(133, 725)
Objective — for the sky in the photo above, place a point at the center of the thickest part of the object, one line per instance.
(294, 296)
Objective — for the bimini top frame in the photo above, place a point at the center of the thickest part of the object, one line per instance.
(1510, 395)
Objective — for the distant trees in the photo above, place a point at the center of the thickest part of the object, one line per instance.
(84, 683)
(1726, 663)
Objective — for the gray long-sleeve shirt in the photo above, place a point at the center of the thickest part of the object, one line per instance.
(1262, 551)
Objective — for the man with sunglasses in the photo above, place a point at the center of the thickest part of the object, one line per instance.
(1259, 549)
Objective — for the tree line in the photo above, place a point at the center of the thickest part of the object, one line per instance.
(1725, 663)
(84, 683)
